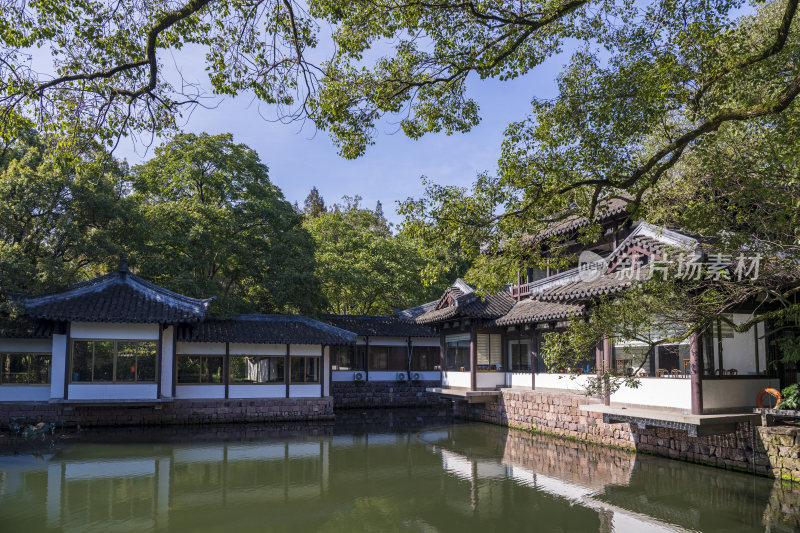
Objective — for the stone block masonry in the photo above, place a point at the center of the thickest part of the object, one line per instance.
(361, 394)
(768, 451)
(179, 411)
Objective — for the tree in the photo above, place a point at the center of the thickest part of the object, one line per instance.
(314, 204)
(62, 220)
(642, 63)
(362, 267)
(216, 225)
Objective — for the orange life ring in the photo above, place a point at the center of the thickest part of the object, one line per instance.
(775, 393)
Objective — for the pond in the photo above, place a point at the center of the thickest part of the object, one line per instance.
(388, 470)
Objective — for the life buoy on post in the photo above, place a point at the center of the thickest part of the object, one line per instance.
(775, 393)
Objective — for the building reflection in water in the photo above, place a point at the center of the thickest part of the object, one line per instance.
(453, 478)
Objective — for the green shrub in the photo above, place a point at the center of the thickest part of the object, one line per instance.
(791, 398)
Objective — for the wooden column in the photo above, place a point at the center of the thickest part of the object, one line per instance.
(322, 371)
(287, 370)
(226, 369)
(366, 359)
(534, 356)
(473, 356)
(408, 362)
(696, 373)
(720, 365)
(607, 368)
(758, 359)
(67, 360)
(598, 361)
(442, 357)
(159, 359)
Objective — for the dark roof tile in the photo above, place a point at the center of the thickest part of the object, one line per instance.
(266, 329)
(378, 326)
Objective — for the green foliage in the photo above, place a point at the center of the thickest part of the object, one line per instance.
(791, 398)
(362, 266)
(61, 219)
(216, 225)
(314, 204)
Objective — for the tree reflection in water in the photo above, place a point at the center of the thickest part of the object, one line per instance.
(373, 471)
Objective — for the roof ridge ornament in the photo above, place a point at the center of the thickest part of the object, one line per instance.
(123, 263)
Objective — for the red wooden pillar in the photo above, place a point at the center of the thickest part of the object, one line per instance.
(473, 356)
(442, 354)
(607, 368)
(696, 373)
(534, 357)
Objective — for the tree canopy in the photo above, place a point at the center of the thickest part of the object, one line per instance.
(363, 267)
(216, 225)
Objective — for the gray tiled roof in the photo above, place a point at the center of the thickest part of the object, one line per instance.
(465, 303)
(266, 329)
(378, 326)
(611, 283)
(533, 310)
(606, 210)
(117, 297)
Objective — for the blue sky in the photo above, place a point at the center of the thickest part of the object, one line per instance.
(300, 157)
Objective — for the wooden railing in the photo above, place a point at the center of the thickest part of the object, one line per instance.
(519, 292)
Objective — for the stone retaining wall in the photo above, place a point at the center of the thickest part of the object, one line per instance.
(360, 394)
(770, 451)
(175, 412)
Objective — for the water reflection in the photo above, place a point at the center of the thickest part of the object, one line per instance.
(366, 474)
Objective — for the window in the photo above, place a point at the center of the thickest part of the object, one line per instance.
(29, 368)
(520, 352)
(424, 358)
(114, 361)
(388, 358)
(200, 369)
(305, 369)
(490, 353)
(457, 353)
(348, 358)
(257, 369)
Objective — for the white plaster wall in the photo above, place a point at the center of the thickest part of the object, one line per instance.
(658, 392)
(431, 375)
(304, 391)
(561, 381)
(200, 391)
(739, 352)
(388, 375)
(26, 345)
(201, 348)
(425, 341)
(256, 349)
(344, 375)
(100, 330)
(113, 392)
(456, 379)
(521, 380)
(733, 393)
(25, 393)
(167, 360)
(490, 379)
(58, 366)
(257, 391)
(305, 349)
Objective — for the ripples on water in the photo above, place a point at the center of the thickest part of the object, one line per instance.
(385, 470)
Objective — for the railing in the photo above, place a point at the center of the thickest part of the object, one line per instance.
(520, 291)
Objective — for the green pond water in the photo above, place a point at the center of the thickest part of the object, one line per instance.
(370, 471)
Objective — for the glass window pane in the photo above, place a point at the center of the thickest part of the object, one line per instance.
(312, 369)
(103, 368)
(189, 368)
(147, 356)
(398, 358)
(378, 357)
(423, 358)
(82, 361)
(213, 369)
(126, 361)
(298, 369)
(14, 368)
(40, 368)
